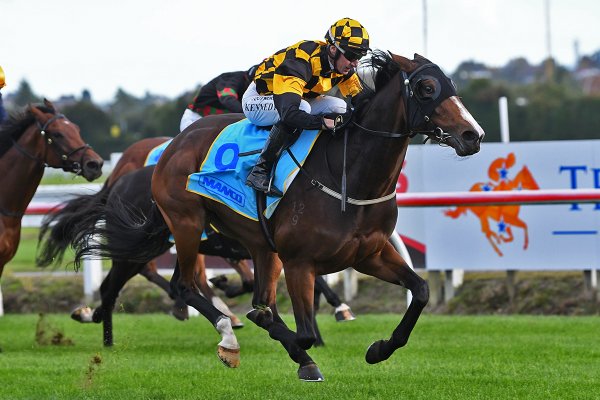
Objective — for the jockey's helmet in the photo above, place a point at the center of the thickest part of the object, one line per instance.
(350, 37)
(2, 83)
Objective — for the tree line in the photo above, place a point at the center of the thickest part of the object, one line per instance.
(545, 102)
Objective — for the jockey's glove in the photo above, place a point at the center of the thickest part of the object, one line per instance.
(341, 119)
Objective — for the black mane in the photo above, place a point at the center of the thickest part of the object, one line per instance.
(14, 127)
(378, 71)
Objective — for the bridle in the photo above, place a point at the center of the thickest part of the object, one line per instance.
(66, 164)
(419, 109)
(50, 143)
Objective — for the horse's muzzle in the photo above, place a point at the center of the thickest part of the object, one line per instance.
(92, 169)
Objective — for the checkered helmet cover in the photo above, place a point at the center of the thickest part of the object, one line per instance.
(348, 33)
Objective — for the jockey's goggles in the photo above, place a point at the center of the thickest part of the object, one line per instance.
(352, 54)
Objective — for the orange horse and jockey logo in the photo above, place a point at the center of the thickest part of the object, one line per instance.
(504, 217)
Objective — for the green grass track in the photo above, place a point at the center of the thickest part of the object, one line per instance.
(158, 357)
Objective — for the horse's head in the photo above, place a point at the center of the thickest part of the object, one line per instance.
(434, 107)
(64, 147)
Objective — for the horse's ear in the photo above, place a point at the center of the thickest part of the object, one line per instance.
(405, 63)
(39, 115)
(419, 57)
(48, 104)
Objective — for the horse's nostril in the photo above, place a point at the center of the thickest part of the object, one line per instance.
(93, 165)
(470, 136)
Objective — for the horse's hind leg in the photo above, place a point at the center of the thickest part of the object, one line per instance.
(150, 272)
(118, 275)
(209, 294)
(266, 316)
(342, 310)
(228, 349)
(389, 266)
(241, 266)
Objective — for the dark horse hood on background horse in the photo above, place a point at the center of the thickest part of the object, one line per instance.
(310, 233)
(38, 138)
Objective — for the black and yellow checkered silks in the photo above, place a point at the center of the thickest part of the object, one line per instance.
(303, 69)
(348, 32)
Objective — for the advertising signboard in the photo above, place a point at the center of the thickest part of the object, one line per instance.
(522, 237)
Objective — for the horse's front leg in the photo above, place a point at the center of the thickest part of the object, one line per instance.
(266, 273)
(10, 235)
(300, 283)
(389, 266)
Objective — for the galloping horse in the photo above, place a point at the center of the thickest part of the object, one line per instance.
(39, 137)
(311, 235)
(131, 182)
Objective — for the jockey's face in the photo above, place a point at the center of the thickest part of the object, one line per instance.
(341, 64)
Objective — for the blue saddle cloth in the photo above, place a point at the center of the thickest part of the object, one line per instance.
(222, 175)
(154, 155)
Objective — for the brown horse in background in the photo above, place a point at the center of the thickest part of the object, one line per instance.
(38, 138)
(311, 235)
(64, 224)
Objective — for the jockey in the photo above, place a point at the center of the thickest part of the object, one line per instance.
(289, 89)
(2, 84)
(219, 96)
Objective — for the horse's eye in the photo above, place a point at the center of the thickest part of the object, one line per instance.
(57, 135)
(426, 91)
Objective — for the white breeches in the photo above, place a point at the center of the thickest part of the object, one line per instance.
(260, 110)
(188, 118)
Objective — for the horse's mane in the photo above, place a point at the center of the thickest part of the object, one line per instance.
(17, 123)
(374, 74)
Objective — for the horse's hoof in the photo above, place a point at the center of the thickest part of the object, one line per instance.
(236, 323)
(262, 317)
(310, 373)
(374, 352)
(344, 313)
(180, 313)
(82, 314)
(220, 282)
(229, 357)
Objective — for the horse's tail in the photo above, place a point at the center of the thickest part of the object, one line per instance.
(67, 224)
(128, 234)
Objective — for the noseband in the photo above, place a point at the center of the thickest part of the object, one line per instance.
(67, 165)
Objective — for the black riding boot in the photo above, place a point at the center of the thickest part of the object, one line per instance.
(260, 175)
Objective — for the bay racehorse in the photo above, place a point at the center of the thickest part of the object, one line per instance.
(37, 138)
(130, 181)
(310, 233)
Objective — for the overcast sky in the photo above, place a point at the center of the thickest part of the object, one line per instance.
(169, 47)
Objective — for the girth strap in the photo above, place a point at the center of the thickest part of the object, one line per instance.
(350, 200)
